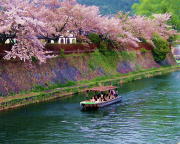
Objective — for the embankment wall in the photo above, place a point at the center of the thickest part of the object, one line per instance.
(16, 76)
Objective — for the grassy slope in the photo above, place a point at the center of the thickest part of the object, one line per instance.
(109, 61)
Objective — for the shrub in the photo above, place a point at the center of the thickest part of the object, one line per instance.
(103, 47)
(61, 53)
(161, 48)
(94, 38)
(34, 59)
(143, 50)
(172, 38)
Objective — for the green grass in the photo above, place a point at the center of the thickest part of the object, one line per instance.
(143, 50)
(108, 60)
(127, 55)
(52, 86)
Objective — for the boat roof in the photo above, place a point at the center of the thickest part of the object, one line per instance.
(102, 88)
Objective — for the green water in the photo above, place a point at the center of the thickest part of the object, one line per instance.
(148, 114)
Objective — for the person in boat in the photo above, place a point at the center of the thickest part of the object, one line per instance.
(100, 98)
(103, 98)
(116, 93)
(112, 94)
(107, 97)
(112, 97)
(93, 99)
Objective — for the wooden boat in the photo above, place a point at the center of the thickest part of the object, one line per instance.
(89, 105)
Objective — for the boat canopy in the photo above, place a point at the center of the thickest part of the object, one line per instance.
(102, 88)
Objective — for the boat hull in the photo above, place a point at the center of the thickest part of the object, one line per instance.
(101, 104)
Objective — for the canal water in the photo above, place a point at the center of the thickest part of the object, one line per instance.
(148, 114)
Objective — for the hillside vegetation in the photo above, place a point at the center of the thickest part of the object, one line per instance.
(110, 6)
(149, 7)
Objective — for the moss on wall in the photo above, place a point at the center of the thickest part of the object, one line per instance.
(108, 61)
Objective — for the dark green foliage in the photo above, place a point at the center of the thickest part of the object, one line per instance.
(94, 38)
(34, 59)
(102, 44)
(106, 45)
(149, 7)
(161, 48)
(103, 47)
(172, 39)
(61, 53)
(143, 50)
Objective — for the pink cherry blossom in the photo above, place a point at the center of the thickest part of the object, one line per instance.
(27, 20)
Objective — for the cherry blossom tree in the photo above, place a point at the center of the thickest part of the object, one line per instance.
(28, 20)
(145, 27)
(162, 28)
(70, 17)
(18, 22)
(57, 15)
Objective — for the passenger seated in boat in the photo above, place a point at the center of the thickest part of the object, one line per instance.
(107, 98)
(93, 99)
(98, 100)
(112, 97)
(113, 92)
(116, 93)
(103, 98)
